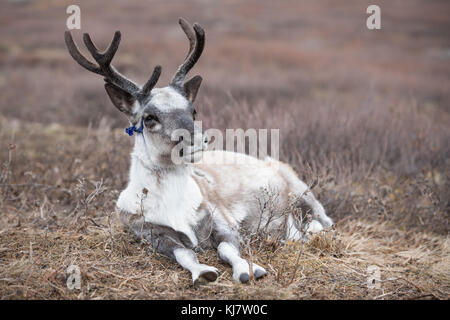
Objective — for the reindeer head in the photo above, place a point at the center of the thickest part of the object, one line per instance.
(165, 116)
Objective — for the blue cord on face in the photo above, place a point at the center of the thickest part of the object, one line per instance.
(132, 129)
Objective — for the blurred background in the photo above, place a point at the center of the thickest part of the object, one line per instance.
(363, 114)
(286, 64)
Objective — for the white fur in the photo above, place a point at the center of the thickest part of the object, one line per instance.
(314, 227)
(173, 202)
(292, 233)
(168, 99)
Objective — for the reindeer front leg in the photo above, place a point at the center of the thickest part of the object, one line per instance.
(168, 244)
(201, 273)
(172, 244)
(228, 250)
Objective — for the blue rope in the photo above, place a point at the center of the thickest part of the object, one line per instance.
(132, 129)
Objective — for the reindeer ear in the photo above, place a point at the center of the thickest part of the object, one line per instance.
(191, 88)
(120, 98)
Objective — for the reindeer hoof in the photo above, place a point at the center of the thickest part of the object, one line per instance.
(210, 275)
(258, 273)
(244, 277)
(205, 277)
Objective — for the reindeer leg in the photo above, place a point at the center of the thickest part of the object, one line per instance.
(318, 212)
(201, 273)
(172, 244)
(228, 250)
(292, 232)
(241, 269)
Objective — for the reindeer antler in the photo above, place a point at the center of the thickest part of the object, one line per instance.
(196, 37)
(105, 68)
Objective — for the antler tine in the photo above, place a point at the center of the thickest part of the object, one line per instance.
(194, 54)
(95, 53)
(104, 59)
(152, 81)
(199, 46)
(77, 56)
(189, 31)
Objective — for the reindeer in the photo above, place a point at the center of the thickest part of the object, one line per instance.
(180, 208)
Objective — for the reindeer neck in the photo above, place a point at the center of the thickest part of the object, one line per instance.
(148, 172)
(166, 196)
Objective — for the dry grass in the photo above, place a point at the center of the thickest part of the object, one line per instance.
(363, 118)
(331, 266)
(55, 215)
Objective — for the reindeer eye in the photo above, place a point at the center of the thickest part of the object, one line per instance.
(150, 121)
